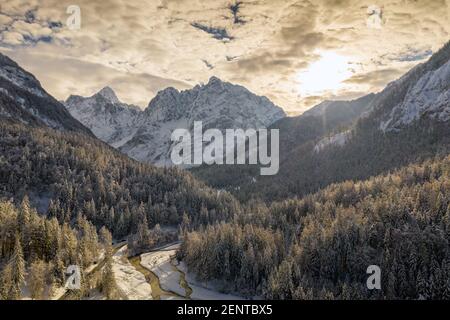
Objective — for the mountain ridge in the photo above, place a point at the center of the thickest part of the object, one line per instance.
(24, 100)
(145, 135)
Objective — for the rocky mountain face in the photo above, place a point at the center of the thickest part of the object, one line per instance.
(423, 92)
(109, 119)
(429, 96)
(23, 99)
(145, 135)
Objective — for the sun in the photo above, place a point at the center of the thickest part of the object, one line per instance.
(324, 75)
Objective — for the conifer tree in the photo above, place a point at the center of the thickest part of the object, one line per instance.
(108, 280)
(23, 218)
(37, 279)
(5, 282)
(17, 263)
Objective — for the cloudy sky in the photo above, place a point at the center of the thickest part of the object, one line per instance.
(297, 53)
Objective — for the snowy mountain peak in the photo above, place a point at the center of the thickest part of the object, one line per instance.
(145, 135)
(108, 94)
(168, 92)
(214, 80)
(109, 119)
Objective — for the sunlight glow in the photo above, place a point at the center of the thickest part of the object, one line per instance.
(324, 75)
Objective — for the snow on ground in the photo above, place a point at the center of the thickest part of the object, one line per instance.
(61, 290)
(21, 80)
(101, 256)
(204, 291)
(159, 263)
(57, 294)
(338, 139)
(130, 282)
(170, 272)
(95, 295)
(428, 96)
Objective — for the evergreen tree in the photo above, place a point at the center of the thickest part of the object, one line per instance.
(37, 279)
(108, 280)
(17, 263)
(6, 282)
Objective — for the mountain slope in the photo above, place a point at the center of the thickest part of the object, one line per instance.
(429, 96)
(378, 141)
(145, 136)
(345, 111)
(69, 173)
(297, 134)
(23, 99)
(320, 246)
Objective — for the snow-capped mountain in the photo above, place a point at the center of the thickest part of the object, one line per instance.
(422, 92)
(338, 139)
(429, 96)
(23, 99)
(109, 119)
(145, 135)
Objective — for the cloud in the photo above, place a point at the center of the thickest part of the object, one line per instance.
(139, 47)
(414, 55)
(375, 78)
(12, 38)
(235, 11)
(26, 30)
(207, 64)
(71, 76)
(217, 33)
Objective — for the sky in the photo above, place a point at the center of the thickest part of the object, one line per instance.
(297, 53)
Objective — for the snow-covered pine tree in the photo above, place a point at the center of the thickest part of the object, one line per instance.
(37, 279)
(17, 263)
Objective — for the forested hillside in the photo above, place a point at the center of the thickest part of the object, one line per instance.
(302, 170)
(319, 246)
(35, 251)
(66, 174)
(297, 137)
